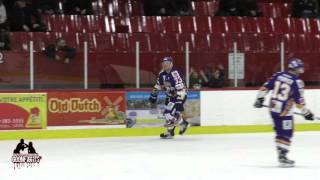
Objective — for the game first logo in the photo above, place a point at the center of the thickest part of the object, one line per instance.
(22, 158)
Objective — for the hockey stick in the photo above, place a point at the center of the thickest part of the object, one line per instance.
(296, 113)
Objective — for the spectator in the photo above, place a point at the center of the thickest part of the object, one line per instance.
(155, 7)
(216, 80)
(167, 7)
(179, 8)
(77, 7)
(304, 9)
(195, 81)
(228, 8)
(60, 51)
(46, 6)
(249, 8)
(9, 4)
(23, 18)
(4, 29)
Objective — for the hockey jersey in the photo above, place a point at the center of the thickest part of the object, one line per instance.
(170, 81)
(287, 90)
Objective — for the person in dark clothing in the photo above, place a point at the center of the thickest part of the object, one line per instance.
(216, 79)
(228, 8)
(46, 6)
(179, 8)
(4, 28)
(77, 7)
(304, 9)
(9, 4)
(167, 7)
(31, 149)
(195, 80)
(23, 18)
(20, 147)
(155, 7)
(60, 51)
(249, 8)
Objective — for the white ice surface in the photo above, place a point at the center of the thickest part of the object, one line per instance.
(197, 157)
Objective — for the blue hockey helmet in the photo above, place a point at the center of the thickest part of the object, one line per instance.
(166, 59)
(296, 64)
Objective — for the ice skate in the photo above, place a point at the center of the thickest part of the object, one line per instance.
(183, 127)
(168, 135)
(284, 162)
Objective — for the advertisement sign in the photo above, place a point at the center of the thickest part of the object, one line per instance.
(86, 108)
(237, 67)
(23, 111)
(146, 114)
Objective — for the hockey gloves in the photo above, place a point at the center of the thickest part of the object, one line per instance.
(153, 97)
(308, 115)
(259, 103)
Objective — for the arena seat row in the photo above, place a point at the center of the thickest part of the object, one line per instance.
(200, 8)
(173, 42)
(118, 7)
(275, 9)
(186, 24)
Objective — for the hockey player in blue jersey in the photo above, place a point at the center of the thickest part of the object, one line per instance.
(287, 90)
(171, 81)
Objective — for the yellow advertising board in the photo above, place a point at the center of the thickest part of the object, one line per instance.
(23, 111)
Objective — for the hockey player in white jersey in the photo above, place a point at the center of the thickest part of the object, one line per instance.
(171, 81)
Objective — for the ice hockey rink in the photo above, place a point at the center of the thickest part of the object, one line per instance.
(196, 157)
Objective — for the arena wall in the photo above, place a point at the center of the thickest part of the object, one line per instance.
(235, 107)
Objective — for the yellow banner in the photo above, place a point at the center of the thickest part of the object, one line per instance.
(23, 110)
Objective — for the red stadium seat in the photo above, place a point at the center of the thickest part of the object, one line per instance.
(136, 24)
(275, 9)
(94, 24)
(269, 42)
(158, 42)
(171, 42)
(313, 25)
(204, 8)
(218, 42)
(235, 24)
(201, 42)
(299, 25)
(235, 38)
(182, 39)
(104, 42)
(252, 42)
(250, 24)
(203, 24)
(315, 42)
(121, 42)
(171, 24)
(265, 25)
(290, 42)
(284, 25)
(303, 43)
(187, 24)
(19, 41)
(142, 38)
(90, 39)
(219, 25)
(42, 39)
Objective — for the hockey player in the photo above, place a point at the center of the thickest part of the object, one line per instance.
(287, 91)
(171, 81)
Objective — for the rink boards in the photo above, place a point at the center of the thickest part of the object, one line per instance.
(221, 111)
